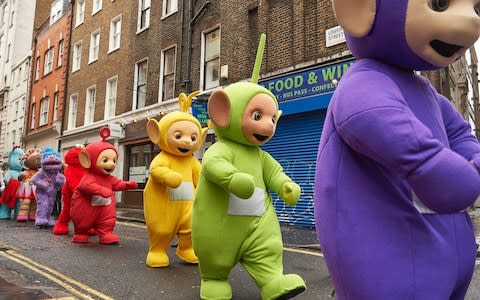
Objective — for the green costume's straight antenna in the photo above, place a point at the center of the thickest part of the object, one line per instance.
(258, 59)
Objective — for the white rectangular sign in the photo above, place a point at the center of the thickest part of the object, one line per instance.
(334, 36)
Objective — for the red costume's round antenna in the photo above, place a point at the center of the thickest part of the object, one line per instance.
(104, 133)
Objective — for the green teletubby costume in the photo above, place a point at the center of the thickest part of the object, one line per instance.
(233, 215)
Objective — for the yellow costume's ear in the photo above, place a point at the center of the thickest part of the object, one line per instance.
(84, 159)
(355, 16)
(153, 131)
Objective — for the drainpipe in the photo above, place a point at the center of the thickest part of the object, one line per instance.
(67, 72)
(188, 81)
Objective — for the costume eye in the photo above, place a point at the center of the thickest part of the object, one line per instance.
(256, 115)
(439, 5)
(193, 137)
(178, 135)
(274, 119)
(477, 9)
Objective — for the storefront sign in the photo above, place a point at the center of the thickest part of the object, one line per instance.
(307, 83)
(334, 36)
(199, 111)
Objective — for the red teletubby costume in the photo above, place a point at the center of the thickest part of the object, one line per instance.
(73, 173)
(93, 201)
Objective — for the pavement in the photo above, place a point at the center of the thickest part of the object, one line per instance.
(293, 236)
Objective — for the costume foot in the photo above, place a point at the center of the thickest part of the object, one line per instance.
(109, 239)
(215, 289)
(187, 255)
(157, 259)
(92, 231)
(51, 223)
(60, 229)
(41, 222)
(31, 218)
(22, 218)
(80, 238)
(284, 287)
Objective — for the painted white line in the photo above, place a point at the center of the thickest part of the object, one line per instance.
(131, 224)
(59, 279)
(307, 252)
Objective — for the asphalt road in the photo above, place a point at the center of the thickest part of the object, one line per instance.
(39, 263)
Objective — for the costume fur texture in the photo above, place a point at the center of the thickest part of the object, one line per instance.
(73, 173)
(9, 195)
(47, 182)
(397, 164)
(26, 191)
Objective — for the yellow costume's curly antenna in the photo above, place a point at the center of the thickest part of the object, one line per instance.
(185, 102)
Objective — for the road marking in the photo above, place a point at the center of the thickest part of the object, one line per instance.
(61, 279)
(288, 249)
(307, 252)
(132, 224)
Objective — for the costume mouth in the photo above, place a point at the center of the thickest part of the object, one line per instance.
(444, 49)
(51, 163)
(109, 170)
(183, 150)
(260, 138)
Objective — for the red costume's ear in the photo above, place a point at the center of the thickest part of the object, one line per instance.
(219, 108)
(355, 16)
(84, 159)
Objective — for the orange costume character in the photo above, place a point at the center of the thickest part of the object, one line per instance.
(26, 191)
(93, 201)
(73, 174)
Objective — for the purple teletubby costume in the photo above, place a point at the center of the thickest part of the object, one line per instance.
(48, 181)
(397, 164)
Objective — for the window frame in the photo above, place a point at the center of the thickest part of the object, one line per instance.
(163, 61)
(141, 12)
(33, 118)
(165, 12)
(61, 49)
(136, 85)
(108, 98)
(43, 115)
(89, 106)
(77, 56)
(72, 114)
(96, 9)
(204, 62)
(93, 53)
(56, 98)
(112, 35)
(48, 61)
(80, 13)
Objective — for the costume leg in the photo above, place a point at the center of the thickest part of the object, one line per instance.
(83, 217)
(23, 210)
(160, 235)
(42, 210)
(184, 234)
(50, 204)
(5, 211)
(105, 223)
(61, 227)
(262, 259)
(32, 210)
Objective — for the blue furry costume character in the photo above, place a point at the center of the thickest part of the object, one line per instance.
(9, 199)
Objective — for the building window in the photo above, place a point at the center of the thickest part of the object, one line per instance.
(169, 7)
(4, 14)
(25, 72)
(19, 76)
(12, 17)
(97, 6)
(16, 109)
(47, 68)
(77, 56)
(55, 106)
(1, 44)
(111, 97)
(8, 52)
(140, 93)
(143, 14)
(115, 33)
(90, 105)
(72, 116)
(168, 73)
(37, 68)
(56, 11)
(80, 16)
(44, 103)
(211, 59)
(60, 53)
(94, 46)
(139, 158)
(33, 119)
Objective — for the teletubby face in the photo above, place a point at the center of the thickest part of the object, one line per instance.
(183, 138)
(107, 161)
(440, 31)
(259, 119)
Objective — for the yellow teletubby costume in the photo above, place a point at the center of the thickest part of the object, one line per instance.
(169, 192)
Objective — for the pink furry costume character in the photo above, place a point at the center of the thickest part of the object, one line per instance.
(73, 174)
(47, 181)
(93, 201)
(26, 191)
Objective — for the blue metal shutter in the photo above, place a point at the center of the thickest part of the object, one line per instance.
(295, 146)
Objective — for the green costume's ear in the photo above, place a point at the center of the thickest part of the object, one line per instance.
(219, 108)
(153, 131)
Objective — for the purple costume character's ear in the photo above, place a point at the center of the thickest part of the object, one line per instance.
(355, 16)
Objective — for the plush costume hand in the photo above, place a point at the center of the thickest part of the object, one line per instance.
(174, 179)
(60, 180)
(290, 192)
(475, 161)
(242, 185)
(131, 185)
(105, 193)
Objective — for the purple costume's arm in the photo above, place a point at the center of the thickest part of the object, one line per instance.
(59, 180)
(459, 133)
(39, 181)
(374, 119)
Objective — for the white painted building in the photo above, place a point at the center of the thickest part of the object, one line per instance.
(16, 27)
